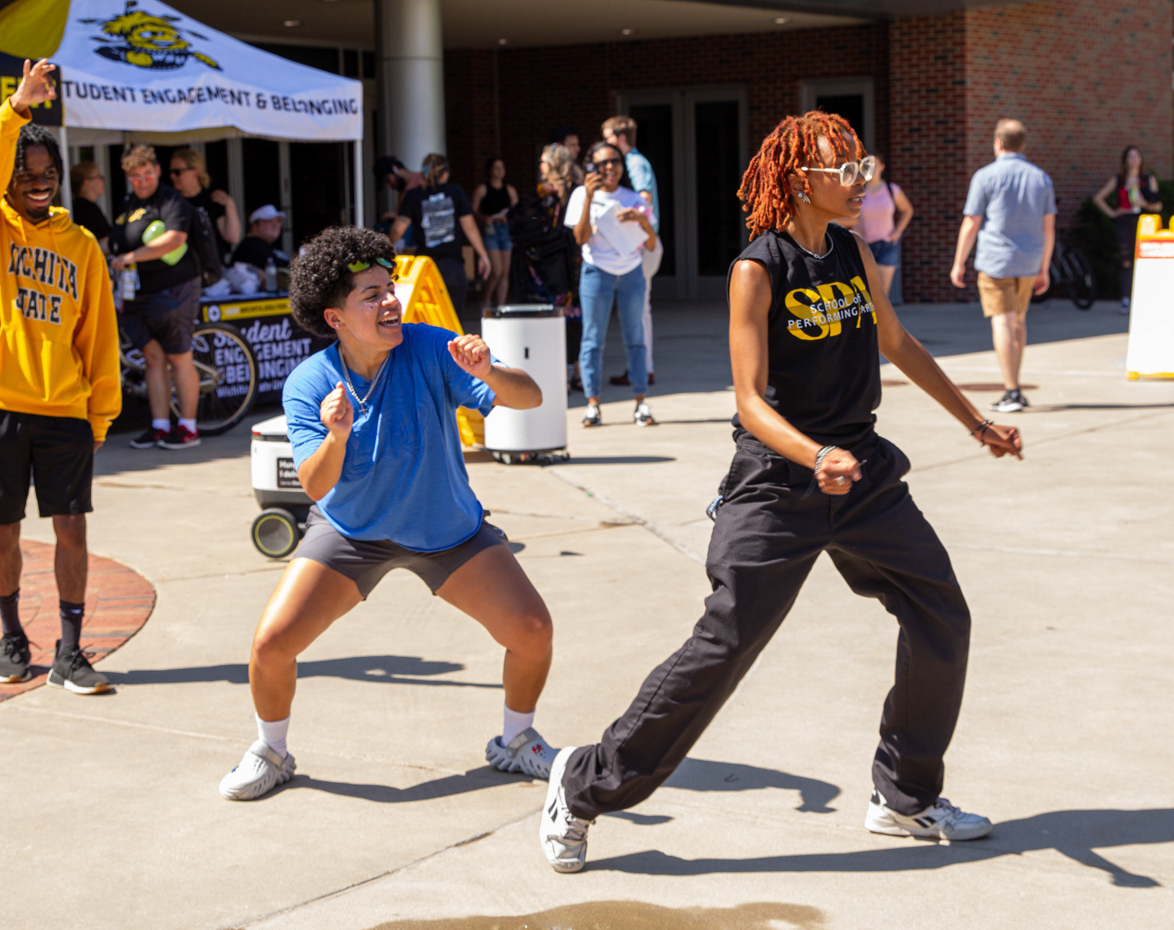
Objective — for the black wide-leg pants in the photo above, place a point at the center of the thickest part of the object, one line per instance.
(770, 529)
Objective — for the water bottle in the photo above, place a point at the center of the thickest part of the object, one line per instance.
(271, 275)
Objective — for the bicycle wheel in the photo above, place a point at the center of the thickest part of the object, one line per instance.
(1083, 287)
(228, 377)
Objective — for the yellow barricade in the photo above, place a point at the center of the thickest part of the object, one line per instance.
(1151, 310)
(421, 291)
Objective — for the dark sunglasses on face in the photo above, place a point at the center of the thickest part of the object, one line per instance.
(604, 162)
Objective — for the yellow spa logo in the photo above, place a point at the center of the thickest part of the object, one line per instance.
(826, 309)
(147, 41)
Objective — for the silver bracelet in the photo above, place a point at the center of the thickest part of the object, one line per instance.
(821, 455)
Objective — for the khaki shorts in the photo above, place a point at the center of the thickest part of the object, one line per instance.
(1004, 295)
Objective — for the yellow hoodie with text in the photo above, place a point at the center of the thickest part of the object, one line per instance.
(58, 327)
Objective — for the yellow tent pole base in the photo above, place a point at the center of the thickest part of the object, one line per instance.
(1135, 375)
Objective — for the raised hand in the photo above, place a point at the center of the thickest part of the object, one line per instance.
(472, 355)
(35, 87)
(336, 412)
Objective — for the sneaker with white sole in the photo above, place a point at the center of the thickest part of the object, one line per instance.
(14, 659)
(1008, 403)
(940, 821)
(642, 416)
(562, 835)
(592, 416)
(260, 771)
(527, 754)
(73, 672)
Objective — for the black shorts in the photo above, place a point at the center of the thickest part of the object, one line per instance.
(168, 316)
(365, 562)
(58, 452)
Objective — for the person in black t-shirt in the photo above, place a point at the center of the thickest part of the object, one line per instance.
(189, 176)
(438, 213)
(257, 247)
(807, 317)
(151, 234)
(88, 186)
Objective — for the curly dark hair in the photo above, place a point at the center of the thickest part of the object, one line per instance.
(32, 134)
(319, 278)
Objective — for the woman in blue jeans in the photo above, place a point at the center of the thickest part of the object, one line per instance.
(613, 233)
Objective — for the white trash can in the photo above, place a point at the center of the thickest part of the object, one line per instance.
(532, 337)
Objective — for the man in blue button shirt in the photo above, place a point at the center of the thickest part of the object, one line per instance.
(1011, 211)
(620, 131)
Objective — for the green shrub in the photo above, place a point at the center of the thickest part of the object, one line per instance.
(1094, 232)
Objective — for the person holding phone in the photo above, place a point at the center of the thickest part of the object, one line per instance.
(613, 227)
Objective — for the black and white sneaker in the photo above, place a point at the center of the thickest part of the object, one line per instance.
(1009, 403)
(642, 416)
(940, 821)
(592, 416)
(1019, 396)
(148, 438)
(562, 835)
(73, 672)
(14, 659)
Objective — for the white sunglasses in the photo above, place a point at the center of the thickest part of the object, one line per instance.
(850, 171)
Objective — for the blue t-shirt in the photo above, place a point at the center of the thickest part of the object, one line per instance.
(1013, 196)
(643, 178)
(403, 476)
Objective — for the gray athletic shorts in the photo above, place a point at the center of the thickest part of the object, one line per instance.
(365, 563)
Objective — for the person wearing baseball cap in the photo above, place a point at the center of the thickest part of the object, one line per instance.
(264, 229)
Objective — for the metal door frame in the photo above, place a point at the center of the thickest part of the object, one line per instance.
(686, 284)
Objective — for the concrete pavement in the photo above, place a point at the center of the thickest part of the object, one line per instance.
(394, 819)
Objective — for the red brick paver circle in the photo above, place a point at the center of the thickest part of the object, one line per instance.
(118, 603)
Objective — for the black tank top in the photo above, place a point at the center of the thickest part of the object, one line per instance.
(824, 375)
(495, 200)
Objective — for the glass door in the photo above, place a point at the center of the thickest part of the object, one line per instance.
(695, 139)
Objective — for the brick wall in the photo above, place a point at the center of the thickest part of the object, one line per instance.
(1086, 77)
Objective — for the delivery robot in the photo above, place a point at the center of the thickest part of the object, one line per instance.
(285, 506)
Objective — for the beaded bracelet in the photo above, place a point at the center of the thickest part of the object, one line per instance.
(821, 455)
(982, 427)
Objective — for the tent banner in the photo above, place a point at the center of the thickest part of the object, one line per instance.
(141, 65)
(11, 71)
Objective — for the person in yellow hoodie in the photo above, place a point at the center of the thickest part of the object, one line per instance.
(59, 378)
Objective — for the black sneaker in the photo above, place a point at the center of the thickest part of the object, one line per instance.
(73, 672)
(14, 659)
(1008, 403)
(148, 438)
(1019, 397)
(180, 437)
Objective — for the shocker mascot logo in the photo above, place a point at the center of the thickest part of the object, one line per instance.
(147, 41)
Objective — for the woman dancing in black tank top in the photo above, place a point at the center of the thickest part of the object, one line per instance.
(808, 315)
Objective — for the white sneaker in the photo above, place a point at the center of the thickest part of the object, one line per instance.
(642, 416)
(562, 835)
(527, 754)
(259, 772)
(592, 416)
(941, 821)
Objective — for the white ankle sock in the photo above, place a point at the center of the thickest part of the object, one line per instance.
(273, 732)
(514, 724)
(161, 423)
(189, 423)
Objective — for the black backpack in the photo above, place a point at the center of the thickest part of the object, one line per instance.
(202, 239)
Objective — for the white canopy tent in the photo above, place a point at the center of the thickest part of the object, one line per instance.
(143, 68)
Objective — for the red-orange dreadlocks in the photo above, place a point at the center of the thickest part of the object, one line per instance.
(793, 143)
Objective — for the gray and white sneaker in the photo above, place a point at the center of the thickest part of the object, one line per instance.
(527, 754)
(14, 659)
(259, 772)
(642, 416)
(592, 416)
(562, 835)
(1010, 402)
(940, 821)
